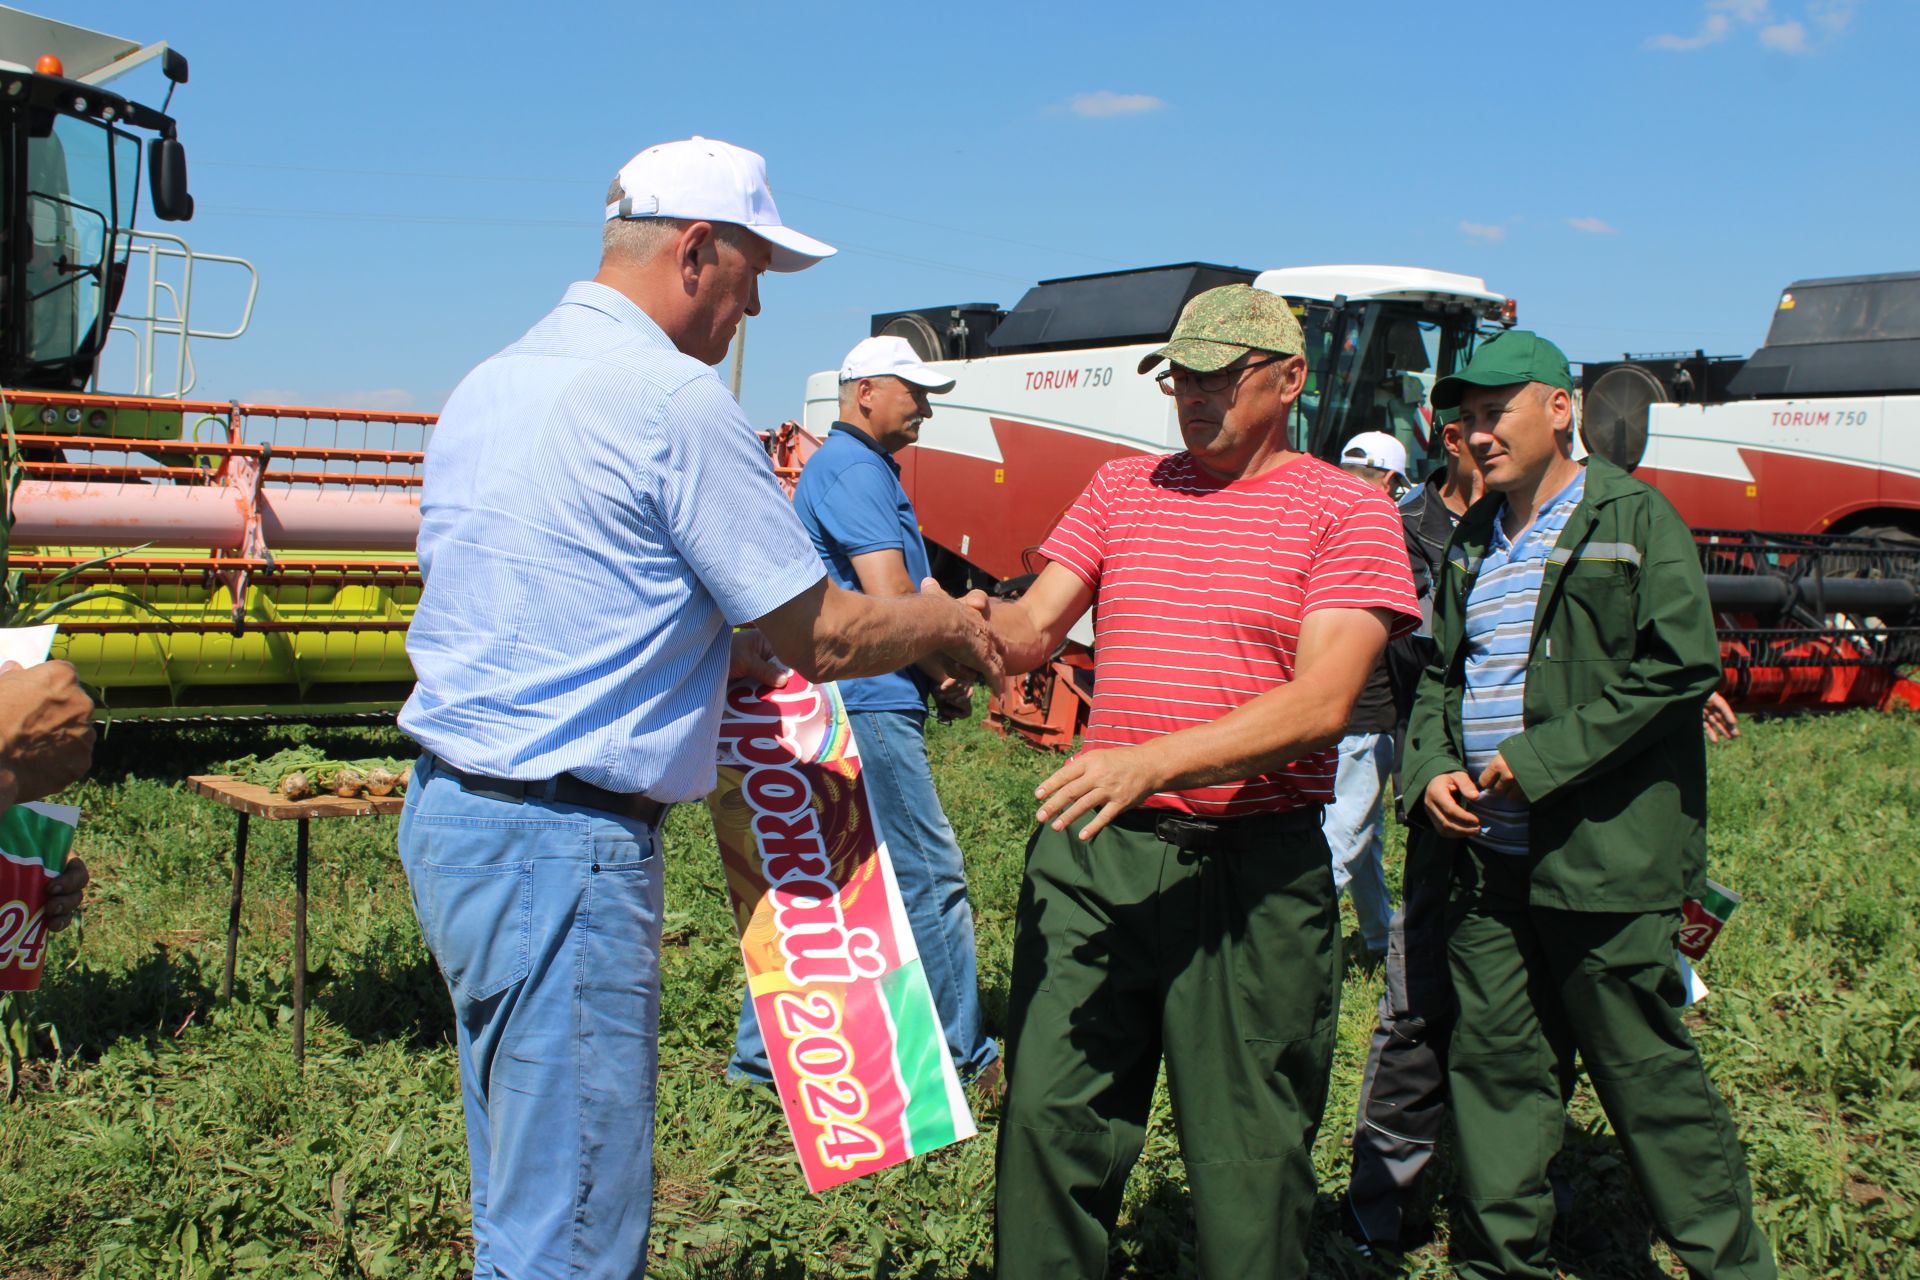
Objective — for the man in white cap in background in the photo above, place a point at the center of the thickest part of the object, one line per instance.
(1355, 823)
(596, 516)
(1380, 458)
(850, 501)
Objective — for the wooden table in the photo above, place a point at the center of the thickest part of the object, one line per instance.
(251, 801)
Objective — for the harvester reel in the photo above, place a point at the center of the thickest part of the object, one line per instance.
(1614, 413)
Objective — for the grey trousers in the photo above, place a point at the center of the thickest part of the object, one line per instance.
(1403, 1090)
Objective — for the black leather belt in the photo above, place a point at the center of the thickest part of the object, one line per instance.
(1186, 832)
(565, 789)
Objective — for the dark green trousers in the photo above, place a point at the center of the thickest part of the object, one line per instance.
(1227, 960)
(1535, 986)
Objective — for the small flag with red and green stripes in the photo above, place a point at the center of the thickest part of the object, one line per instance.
(34, 842)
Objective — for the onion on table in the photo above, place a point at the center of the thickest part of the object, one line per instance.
(299, 773)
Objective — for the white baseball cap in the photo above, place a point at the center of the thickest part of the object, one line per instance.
(1377, 449)
(891, 357)
(704, 180)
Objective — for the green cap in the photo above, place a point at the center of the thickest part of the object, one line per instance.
(1513, 357)
(1221, 325)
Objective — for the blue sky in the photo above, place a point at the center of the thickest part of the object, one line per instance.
(418, 182)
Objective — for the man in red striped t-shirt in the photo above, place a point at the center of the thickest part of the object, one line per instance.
(1244, 592)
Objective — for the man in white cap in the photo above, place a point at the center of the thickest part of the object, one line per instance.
(1355, 823)
(1380, 458)
(863, 526)
(596, 516)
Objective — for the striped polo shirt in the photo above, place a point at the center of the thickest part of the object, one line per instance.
(1499, 636)
(1200, 588)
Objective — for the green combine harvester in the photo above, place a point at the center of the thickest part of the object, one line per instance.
(201, 558)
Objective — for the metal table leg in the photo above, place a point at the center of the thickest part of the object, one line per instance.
(233, 905)
(300, 946)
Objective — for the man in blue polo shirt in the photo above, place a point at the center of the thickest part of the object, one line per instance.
(850, 502)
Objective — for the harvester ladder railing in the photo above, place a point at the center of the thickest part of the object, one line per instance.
(146, 328)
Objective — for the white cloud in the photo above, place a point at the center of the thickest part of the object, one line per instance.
(1831, 16)
(1780, 33)
(1492, 233)
(1785, 37)
(1715, 29)
(1593, 226)
(383, 399)
(1104, 103)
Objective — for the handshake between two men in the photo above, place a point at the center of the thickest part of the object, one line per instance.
(829, 633)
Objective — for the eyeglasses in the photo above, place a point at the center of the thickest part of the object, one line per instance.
(1176, 381)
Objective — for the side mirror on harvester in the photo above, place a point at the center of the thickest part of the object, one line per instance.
(167, 169)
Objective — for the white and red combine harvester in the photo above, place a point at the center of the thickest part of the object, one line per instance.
(1799, 469)
(1047, 391)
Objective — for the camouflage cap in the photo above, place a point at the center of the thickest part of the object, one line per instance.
(1221, 325)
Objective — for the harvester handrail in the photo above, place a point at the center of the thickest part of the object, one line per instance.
(224, 449)
(88, 471)
(203, 627)
(217, 408)
(155, 245)
(191, 255)
(277, 564)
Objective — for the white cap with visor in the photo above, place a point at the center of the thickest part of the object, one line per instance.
(1378, 450)
(705, 180)
(891, 357)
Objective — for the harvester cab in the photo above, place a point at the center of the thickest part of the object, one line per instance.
(1378, 338)
(69, 191)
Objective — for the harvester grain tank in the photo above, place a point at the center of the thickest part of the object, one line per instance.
(202, 555)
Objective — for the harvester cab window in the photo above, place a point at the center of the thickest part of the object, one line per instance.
(1402, 375)
(1317, 326)
(1373, 367)
(80, 191)
(1382, 361)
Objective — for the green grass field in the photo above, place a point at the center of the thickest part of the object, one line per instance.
(159, 1133)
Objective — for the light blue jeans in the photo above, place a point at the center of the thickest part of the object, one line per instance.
(1355, 827)
(933, 888)
(545, 921)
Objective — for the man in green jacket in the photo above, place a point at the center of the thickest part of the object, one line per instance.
(1555, 744)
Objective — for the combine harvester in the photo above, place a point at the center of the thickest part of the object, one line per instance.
(264, 558)
(1814, 439)
(1046, 392)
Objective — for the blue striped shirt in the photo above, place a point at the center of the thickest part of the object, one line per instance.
(1499, 636)
(596, 511)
